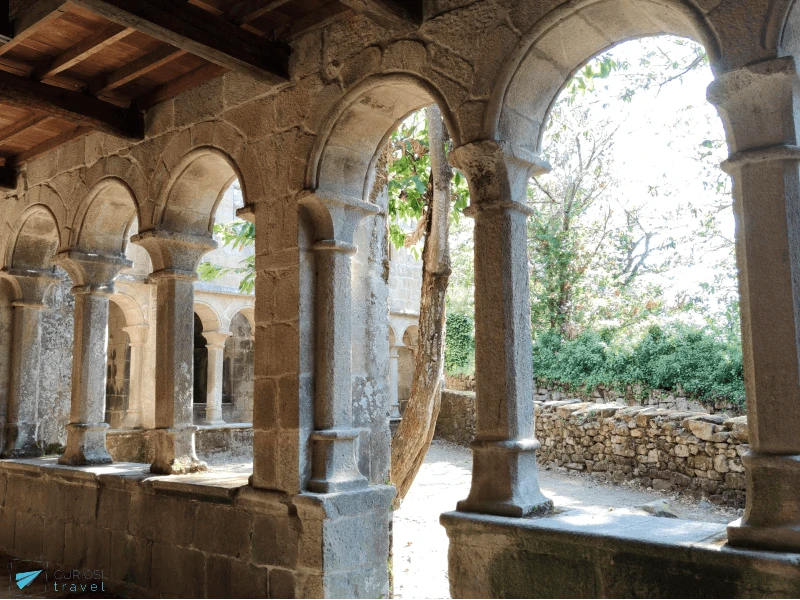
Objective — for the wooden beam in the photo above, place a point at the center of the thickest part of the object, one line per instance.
(176, 86)
(33, 19)
(195, 30)
(137, 68)
(72, 106)
(83, 50)
(386, 13)
(8, 178)
(47, 145)
(31, 120)
(317, 19)
(248, 11)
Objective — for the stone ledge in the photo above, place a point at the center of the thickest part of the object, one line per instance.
(584, 553)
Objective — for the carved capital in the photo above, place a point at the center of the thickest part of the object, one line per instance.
(31, 286)
(757, 104)
(498, 177)
(335, 218)
(174, 254)
(216, 339)
(91, 273)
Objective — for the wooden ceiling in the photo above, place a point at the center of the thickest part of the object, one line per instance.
(70, 67)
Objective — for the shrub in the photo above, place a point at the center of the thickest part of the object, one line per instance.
(704, 366)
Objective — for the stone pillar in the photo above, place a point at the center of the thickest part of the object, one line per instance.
(504, 473)
(137, 337)
(216, 356)
(394, 403)
(334, 466)
(31, 288)
(758, 105)
(175, 258)
(93, 279)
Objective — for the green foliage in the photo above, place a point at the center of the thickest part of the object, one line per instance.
(703, 365)
(459, 342)
(238, 235)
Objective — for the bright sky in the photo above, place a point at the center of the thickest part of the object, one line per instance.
(661, 132)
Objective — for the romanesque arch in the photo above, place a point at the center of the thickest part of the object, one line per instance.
(559, 44)
(103, 221)
(342, 162)
(35, 240)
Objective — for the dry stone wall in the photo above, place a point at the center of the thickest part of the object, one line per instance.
(696, 453)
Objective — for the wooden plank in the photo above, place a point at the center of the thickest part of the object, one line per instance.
(248, 11)
(317, 19)
(74, 107)
(83, 50)
(179, 85)
(32, 20)
(16, 128)
(385, 13)
(47, 145)
(195, 30)
(137, 68)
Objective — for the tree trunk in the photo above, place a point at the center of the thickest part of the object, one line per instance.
(415, 432)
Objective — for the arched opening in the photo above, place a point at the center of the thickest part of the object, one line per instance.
(200, 389)
(118, 367)
(237, 382)
(406, 359)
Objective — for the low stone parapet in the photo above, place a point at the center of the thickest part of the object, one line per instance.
(693, 452)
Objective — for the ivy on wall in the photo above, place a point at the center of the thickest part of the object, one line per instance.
(459, 346)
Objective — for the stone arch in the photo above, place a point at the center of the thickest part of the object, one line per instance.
(103, 220)
(130, 307)
(195, 188)
(35, 240)
(411, 336)
(342, 161)
(248, 312)
(208, 316)
(561, 43)
(392, 336)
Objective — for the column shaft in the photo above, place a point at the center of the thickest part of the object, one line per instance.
(174, 432)
(86, 431)
(504, 473)
(394, 382)
(22, 424)
(758, 107)
(216, 357)
(334, 466)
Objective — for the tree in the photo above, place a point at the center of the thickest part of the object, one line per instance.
(415, 432)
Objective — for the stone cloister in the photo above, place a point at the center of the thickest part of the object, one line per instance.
(300, 123)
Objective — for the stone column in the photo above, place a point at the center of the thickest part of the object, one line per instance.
(216, 355)
(137, 337)
(93, 279)
(394, 403)
(504, 473)
(334, 465)
(758, 105)
(175, 258)
(31, 288)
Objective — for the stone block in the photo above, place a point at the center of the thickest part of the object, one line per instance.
(113, 508)
(235, 541)
(177, 572)
(172, 519)
(276, 540)
(7, 518)
(232, 578)
(53, 542)
(28, 536)
(130, 559)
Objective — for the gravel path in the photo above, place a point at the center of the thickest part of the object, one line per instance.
(420, 543)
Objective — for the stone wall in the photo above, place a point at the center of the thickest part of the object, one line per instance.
(160, 536)
(695, 453)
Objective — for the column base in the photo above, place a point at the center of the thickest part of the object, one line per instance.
(505, 480)
(21, 441)
(771, 519)
(86, 445)
(334, 467)
(175, 452)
